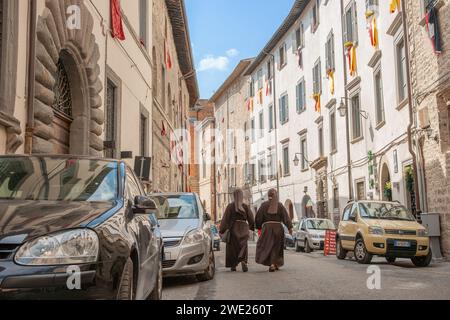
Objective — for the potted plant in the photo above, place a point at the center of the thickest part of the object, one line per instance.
(388, 191)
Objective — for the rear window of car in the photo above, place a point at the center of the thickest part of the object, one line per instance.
(177, 206)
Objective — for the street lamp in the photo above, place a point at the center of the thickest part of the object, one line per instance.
(343, 109)
(297, 160)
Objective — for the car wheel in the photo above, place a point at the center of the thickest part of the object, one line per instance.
(423, 261)
(341, 253)
(297, 247)
(361, 254)
(307, 247)
(210, 271)
(391, 259)
(157, 291)
(126, 290)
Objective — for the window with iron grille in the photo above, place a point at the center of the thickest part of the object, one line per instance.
(110, 125)
(63, 98)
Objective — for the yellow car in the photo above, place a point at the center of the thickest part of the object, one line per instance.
(384, 229)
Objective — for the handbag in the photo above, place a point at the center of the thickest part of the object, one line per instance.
(226, 236)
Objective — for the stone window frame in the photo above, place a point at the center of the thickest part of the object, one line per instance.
(117, 82)
(8, 75)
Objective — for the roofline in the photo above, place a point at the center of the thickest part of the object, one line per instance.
(295, 13)
(60, 156)
(175, 10)
(238, 71)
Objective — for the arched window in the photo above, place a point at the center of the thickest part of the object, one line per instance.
(154, 73)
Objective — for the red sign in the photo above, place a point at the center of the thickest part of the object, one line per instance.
(330, 243)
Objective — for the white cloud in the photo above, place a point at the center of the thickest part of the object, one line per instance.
(211, 62)
(232, 53)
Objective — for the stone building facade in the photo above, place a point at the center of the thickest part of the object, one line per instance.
(174, 92)
(430, 77)
(232, 148)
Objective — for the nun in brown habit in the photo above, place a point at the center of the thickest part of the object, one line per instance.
(238, 218)
(270, 246)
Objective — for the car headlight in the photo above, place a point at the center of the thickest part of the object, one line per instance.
(194, 236)
(63, 248)
(422, 233)
(376, 230)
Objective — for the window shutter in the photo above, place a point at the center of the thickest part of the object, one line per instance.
(355, 22)
(327, 53)
(333, 66)
(344, 19)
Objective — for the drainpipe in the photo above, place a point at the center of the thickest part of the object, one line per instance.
(214, 167)
(31, 77)
(347, 120)
(410, 109)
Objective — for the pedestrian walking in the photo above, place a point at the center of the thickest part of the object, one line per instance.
(237, 221)
(269, 219)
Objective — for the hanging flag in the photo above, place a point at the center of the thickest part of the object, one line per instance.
(268, 88)
(260, 96)
(163, 130)
(250, 104)
(373, 31)
(394, 6)
(351, 55)
(116, 20)
(434, 33)
(331, 81)
(316, 97)
(167, 56)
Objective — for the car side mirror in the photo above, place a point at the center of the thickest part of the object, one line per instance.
(207, 217)
(142, 205)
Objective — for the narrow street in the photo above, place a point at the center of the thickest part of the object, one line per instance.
(312, 277)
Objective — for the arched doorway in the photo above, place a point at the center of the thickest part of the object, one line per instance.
(67, 115)
(386, 184)
(290, 208)
(308, 207)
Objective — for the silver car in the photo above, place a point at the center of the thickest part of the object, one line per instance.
(186, 231)
(310, 234)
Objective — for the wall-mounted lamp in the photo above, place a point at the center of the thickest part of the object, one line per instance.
(297, 160)
(343, 109)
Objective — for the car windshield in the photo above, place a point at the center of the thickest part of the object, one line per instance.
(177, 207)
(58, 179)
(320, 225)
(382, 210)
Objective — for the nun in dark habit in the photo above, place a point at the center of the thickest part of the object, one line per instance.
(269, 219)
(239, 220)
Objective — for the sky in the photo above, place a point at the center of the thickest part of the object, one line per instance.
(223, 32)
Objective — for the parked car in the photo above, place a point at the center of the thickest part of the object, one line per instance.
(216, 238)
(187, 236)
(384, 229)
(288, 238)
(310, 234)
(63, 214)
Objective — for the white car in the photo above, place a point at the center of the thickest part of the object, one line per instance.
(310, 234)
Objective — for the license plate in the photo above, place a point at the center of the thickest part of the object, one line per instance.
(167, 256)
(403, 244)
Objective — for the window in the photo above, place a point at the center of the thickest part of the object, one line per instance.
(143, 21)
(260, 79)
(271, 122)
(261, 124)
(246, 130)
(333, 133)
(143, 135)
(379, 105)
(271, 166)
(252, 174)
(251, 90)
(163, 87)
(262, 170)
(320, 135)
(203, 167)
(329, 52)
(269, 69)
(401, 69)
(154, 73)
(111, 118)
(317, 85)
(301, 96)
(299, 38)
(304, 153)
(284, 109)
(346, 215)
(315, 16)
(371, 5)
(361, 190)
(350, 23)
(253, 130)
(286, 166)
(336, 198)
(356, 117)
(282, 53)
(233, 176)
